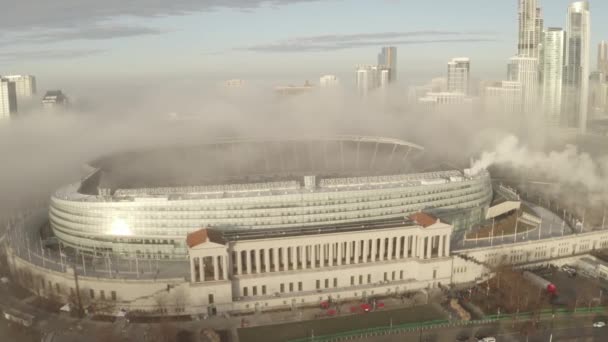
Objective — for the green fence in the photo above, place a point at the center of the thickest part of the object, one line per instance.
(419, 326)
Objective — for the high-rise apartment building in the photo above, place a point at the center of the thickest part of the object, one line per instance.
(504, 97)
(370, 77)
(458, 75)
(8, 99)
(530, 28)
(54, 99)
(576, 70)
(525, 71)
(602, 58)
(598, 94)
(328, 81)
(388, 58)
(25, 86)
(554, 45)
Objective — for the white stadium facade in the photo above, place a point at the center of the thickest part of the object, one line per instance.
(243, 225)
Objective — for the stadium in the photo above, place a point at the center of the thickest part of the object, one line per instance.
(144, 203)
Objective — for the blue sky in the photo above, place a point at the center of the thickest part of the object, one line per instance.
(284, 39)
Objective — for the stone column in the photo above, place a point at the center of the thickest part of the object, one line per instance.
(340, 251)
(201, 268)
(374, 247)
(300, 258)
(239, 265)
(215, 268)
(248, 257)
(398, 246)
(294, 262)
(331, 254)
(391, 247)
(225, 270)
(440, 248)
(192, 270)
(267, 260)
(348, 252)
(429, 244)
(382, 249)
(447, 245)
(258, 261)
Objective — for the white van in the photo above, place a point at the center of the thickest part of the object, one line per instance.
(487, 339)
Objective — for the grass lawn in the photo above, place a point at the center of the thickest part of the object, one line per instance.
(284, 332)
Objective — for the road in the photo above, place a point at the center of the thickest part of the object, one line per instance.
(563, 331)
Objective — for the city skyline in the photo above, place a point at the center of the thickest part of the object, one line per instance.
(126, 41)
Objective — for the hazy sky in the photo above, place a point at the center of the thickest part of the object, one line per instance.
(284, 39)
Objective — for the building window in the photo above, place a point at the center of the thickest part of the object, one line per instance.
(434, 274)
(254, 290)
(113, 295)
(393, 275)
(300, 286)
(360, 279)
(326, 283)
(369, 278)
(401, 275)
(352, 280)
(245, 292)
(92, 293)
(290, 287)
(385, 276)
(263, 289)
(335, 282)
(210, 298)
(318, 284)
(282, 288)
(102, 295)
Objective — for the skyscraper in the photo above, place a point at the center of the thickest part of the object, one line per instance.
(458, 75)
(530, 28)
(598, 94)
(8, 99)
(553, 67)
(25, 86)
(328, 81)
(602, 58)
(525, 71)
(504, 97)
(370, 77)
(388, 57)
(576, 70)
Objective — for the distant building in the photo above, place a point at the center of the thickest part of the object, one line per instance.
(25, 86)
(234, 83)
(503, 97)
(458, 75)
(576, 71)
(294, 90)
(554, 45)
(445, 101)
(525, 71)
(8, 99)
(370, 77)
(602, 58)
(598, 94)
(328, 81)
(54, 99)
(388, 58)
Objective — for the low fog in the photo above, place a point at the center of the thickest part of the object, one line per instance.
(43, 150)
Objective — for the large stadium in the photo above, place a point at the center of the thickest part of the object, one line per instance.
(144, 203)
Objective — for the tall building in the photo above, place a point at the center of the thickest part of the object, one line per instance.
(8, 99)
(54, 99)
(602, 58)
(576, 71)
(525, 71)
(598, 94)
(25, 85)
(458, 75)
(388, 58)
(370, 77)
(554, 44)
(530, 29)
(328, 81)
(503, 97)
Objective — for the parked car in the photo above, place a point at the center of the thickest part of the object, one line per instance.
(487, 339)
(599, 324)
